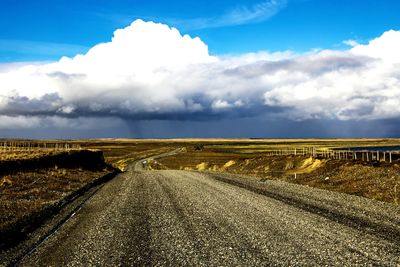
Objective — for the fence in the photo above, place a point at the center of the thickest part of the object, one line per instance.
(18, 146)
(369, 156)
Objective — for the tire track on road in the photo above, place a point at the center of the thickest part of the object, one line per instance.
(389, 233)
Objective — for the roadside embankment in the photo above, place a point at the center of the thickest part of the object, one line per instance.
(86, 159)
(32, 190)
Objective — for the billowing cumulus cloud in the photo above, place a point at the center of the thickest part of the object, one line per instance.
(362, 83)
(149, 71)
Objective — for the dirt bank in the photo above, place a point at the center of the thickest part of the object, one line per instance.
(86, 159)
(31, 190)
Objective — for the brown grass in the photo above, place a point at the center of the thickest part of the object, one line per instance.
(18, 155)
(27, 192)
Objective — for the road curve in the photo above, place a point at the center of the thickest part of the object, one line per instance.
(178, 218)
(141, 165)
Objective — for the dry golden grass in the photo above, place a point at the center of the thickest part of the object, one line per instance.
(21, 155)
(24, 193)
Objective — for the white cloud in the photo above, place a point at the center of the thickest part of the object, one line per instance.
(220, 104)
(384, 47)
(351, 43)
(151, 71)
(367, 89)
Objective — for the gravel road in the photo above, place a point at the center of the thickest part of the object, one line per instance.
(178, 218)
(141, 165)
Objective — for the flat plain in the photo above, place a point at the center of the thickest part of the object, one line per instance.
(209, 202)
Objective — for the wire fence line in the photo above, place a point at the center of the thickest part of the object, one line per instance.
(19, 146)
(360, 155)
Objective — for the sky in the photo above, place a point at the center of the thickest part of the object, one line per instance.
(164, 69)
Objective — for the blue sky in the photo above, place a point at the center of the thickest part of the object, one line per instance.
(248, 68)
(38, 30)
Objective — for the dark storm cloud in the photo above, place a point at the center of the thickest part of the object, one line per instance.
(22, 105)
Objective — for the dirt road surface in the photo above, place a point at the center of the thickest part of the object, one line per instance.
(178, 218)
